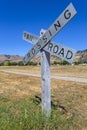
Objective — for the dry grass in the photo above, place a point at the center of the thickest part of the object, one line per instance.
(71, 95)
(30, 69)
(18, 86)
(73, 71)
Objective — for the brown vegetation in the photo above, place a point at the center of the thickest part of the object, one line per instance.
(71, 95)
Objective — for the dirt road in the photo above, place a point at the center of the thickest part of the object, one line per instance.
(74, 79)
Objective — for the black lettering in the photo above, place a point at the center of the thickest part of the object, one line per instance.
(61, 52)
(67, 14)
(55, 49)
(33, 51)
(31, 37)
(57, 25)
(50, 33)
(50, 45)
(25, 35)
(69, 54)
(28, 54)
(38, 45)
(44, 38)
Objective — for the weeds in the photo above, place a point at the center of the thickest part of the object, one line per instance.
(24, 114)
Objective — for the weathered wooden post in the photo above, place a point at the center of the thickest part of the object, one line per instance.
(45, 79)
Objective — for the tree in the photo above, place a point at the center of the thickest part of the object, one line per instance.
(20, 63)
(31, 63)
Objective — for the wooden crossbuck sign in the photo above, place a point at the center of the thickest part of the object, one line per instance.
(44, 44)
(53, 48)
(59, 23)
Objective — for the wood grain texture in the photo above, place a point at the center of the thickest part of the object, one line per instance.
(45, 79)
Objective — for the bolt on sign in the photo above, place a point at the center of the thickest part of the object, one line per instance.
(44, 44)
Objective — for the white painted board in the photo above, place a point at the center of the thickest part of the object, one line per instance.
(30, 37)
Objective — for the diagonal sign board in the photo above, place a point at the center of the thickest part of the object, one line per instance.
(30, 37)
(55, 49)
(59, 23)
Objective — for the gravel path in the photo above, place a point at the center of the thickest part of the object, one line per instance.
(75, 79)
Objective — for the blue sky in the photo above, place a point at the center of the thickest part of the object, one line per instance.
(17, 16)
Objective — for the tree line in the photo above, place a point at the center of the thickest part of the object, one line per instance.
(31, 63)
(20, 63)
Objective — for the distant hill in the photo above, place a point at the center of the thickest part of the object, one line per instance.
(11, 58)
(81, 56)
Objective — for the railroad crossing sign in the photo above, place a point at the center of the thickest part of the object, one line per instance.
(47, 47)
(59, 23)
(53, 48)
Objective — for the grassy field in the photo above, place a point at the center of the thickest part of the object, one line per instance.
(73, 71)
(19, 109)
